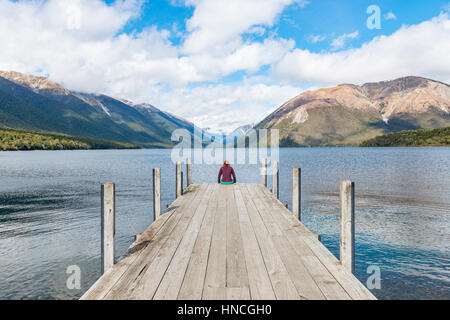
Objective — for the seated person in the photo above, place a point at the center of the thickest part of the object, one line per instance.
(226, 172)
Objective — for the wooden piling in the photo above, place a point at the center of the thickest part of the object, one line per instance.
(347, 212)
(188, 171)
(108, 226)
(264, 172)
(276, 179)
(156, 193)
(296, 192)
(178, 183)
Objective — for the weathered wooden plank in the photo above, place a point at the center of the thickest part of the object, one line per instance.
(189, 171)
(276, 179)
(296, 192)
(216, 272)
(108, 225)
(178, 181)
(282, 284)
(351, 285)
(237, 294)
(192, 287)
(347, 239)
(264, 172)
(303, 281)
(236, 269)
(156, 193)
(326, 282)
(238, 242)
(103, 286)
(288, 228)
(172, 280)
(259, 280)
(154, 273)
(355, 289)
(125, 287)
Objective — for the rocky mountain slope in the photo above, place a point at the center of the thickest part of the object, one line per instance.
(37, 104)
(349, 114)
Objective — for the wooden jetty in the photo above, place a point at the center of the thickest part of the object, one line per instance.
(228, 242)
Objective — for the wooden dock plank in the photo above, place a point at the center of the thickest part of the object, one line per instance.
(216, 273)
(304, 282)
(174, 275)
(259, 280)
(150, 281)
(235, 242)
(282, 283)
(192, 287)
(314, 281)
(139, 249)
(125, 288)
(237, 276)
(348, 281)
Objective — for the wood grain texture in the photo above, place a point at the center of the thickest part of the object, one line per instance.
(230, 242)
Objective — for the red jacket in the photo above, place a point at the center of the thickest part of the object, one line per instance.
(226, 172)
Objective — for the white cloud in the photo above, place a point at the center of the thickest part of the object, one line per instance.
(42, 37)
(341, 41)
(420, 50)
(226, 106)
(390, 16)
(217, 25)
(36, 36)
(80, 44)
(316, 38)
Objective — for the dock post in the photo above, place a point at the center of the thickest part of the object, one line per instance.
(347, 212)
(178, 183)
(276, 179)
(264, 172)
(156, 193)
(297, 192)
(182, 182)
(188, 171)
(108, 225)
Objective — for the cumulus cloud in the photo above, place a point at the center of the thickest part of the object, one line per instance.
(341, 41)
(228, 106)
(217, 25)
(420, 50)
(81, 44)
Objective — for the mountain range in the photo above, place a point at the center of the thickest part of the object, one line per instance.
(342, 115)
(37, 104)
(349, 114)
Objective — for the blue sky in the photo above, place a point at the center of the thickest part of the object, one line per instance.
(222, 63)
(328, 18)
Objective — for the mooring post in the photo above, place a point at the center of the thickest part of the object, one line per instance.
(276, 179)
(347, 243)
(296, 192)
(264, 172)
(178, 183)
(188, 171)
(108, 225)
(156, 193)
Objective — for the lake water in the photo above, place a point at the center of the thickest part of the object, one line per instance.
(50, 212)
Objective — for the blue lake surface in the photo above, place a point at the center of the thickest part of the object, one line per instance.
(50, 212)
